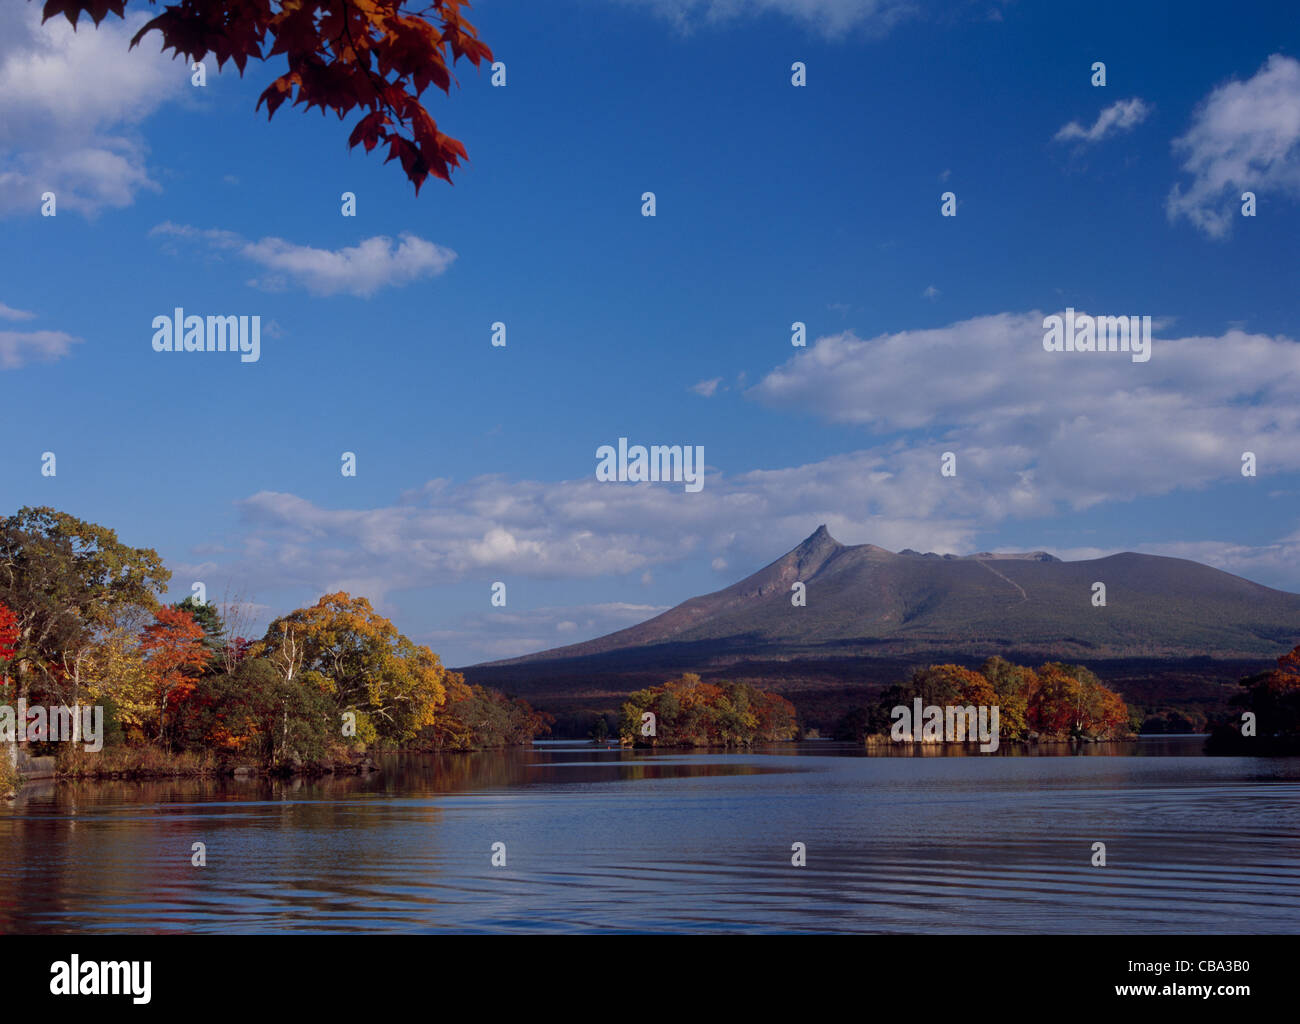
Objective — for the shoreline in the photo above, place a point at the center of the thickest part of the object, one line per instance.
(156, 764)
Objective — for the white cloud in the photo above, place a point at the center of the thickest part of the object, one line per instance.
(1245, 136)
(707, 388)
(1273, 561)
(931, 292)
(69, 106)
(830, 18)
(1121, 116)
(508, 634)
(1034, 432)
(9, 313)
(1047, 427)
(17, 349)
(215, 238)
(360, 270)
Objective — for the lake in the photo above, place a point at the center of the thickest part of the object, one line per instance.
(613, 840)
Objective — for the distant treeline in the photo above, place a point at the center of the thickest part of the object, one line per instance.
(81, 622)
(1053, 702)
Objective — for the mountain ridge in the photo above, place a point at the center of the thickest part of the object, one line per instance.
(911, 598)
(1173, 631)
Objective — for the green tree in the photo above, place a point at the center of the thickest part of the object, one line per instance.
(66, 581)
(209, 619)
(256, 711)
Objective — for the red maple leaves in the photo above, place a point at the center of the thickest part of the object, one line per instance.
(8, 632)
(342, 55)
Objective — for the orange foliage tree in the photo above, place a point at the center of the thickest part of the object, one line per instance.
(1068, 700)
(1056, 701)
(174, 655)
(953, 684)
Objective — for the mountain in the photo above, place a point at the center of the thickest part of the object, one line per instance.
(872, 613)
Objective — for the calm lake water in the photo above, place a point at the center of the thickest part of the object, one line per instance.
(609, 840)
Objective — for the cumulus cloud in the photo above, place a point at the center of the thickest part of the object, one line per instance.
(707, 388)
(1245, 136)
(447, 532)
(1034, 433)
(1121, 116)
(360, 270)
(70, 103)
(1049, 427)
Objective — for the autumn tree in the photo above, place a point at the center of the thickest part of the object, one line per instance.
(394, 686)
(1069, 700)
(1056, 701)
(118, 674)
(952, 684)
(690, 712)
(8, 638)
(1013, 685)
(476, 718)
(777, 718)
(342, 56)
(1274, 698)
(175, 655)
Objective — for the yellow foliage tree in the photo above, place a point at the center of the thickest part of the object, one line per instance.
(393, 685)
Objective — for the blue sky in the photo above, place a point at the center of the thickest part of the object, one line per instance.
(774, 204)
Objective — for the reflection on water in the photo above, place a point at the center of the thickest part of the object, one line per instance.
(609, 839)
